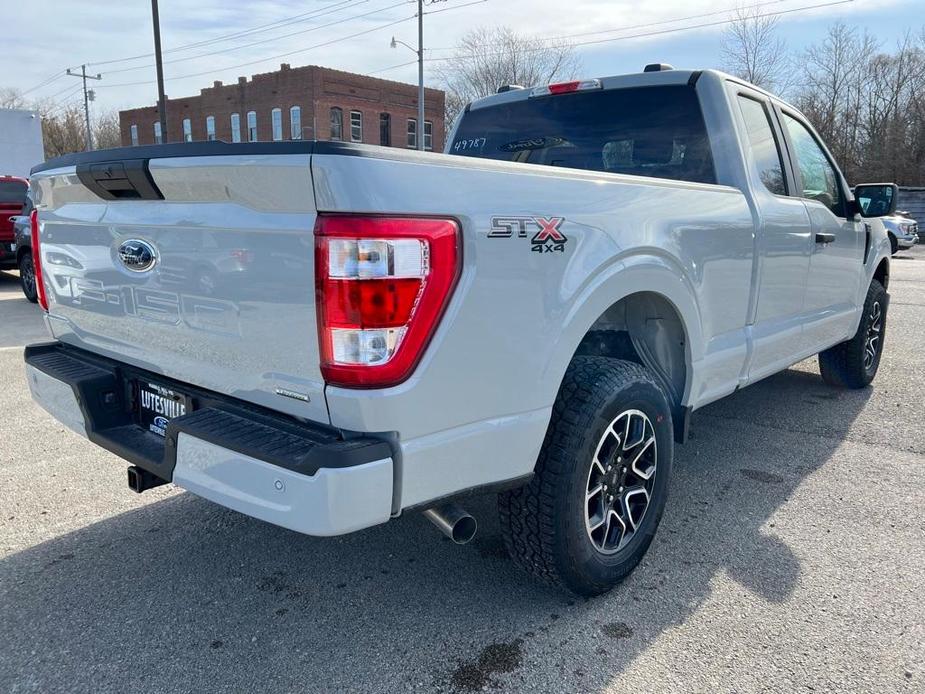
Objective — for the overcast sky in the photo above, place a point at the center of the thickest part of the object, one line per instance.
(55, 34)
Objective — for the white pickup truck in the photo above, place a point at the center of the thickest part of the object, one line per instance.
(326, 336)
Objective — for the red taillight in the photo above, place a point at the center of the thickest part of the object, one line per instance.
(382, 284)
(37, 260)
(563, 87)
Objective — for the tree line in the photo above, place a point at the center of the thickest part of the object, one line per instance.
(865, 98)
(64, 128)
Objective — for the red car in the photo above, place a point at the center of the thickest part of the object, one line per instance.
(13, 192)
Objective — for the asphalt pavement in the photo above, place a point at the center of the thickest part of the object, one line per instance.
(791, 557)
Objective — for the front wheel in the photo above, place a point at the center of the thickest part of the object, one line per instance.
(27, 277)
(587, 517)
(854, 363)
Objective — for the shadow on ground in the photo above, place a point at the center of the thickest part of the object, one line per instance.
(183, 595)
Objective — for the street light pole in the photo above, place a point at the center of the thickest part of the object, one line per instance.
(421, 74)
(83, 75)
(419, 132)
(158, 61)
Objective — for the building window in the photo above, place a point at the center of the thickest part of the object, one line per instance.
(210, 128)
(158, 139)
(134, 131)
(295, 123)
(337, 124)
(276, 118)
(251, 126)
(187, 130)
(356, 126)
(428, 135)
(385, 130)
(412, 133)
(235, 127)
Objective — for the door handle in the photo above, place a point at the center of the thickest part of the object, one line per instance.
(825, 238)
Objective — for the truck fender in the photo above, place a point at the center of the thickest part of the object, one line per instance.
(628, 276)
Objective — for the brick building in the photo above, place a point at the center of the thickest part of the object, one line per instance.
(295, 103)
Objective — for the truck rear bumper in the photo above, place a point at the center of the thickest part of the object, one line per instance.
(310, 478)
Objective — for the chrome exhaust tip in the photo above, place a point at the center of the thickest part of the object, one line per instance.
(453, 521)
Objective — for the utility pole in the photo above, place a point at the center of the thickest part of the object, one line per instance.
(158, 61)
(419, 132)
(421, 74)
(87, 96)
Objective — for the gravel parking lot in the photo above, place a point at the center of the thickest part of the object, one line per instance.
(791, 557)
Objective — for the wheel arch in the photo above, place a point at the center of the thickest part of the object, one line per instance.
(21, 251)
(882, 273)
(644, 312)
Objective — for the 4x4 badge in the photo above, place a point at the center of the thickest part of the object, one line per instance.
(548, 237)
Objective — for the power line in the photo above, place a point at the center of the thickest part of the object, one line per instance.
(272, 57)
(285, 21)
(672, 30)
(643, 26)
(58, 75)
(262, 41)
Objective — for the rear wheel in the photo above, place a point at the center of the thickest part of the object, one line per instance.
(27, 277)
(854, 363)
(591, 510)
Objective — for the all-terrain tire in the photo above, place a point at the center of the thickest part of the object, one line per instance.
(544, 523)
(847, 364)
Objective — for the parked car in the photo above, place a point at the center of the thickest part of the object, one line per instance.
(902, 230)
(12, 197)
(536, 312)
(22, 242)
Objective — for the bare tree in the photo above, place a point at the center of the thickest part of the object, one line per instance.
(867, 104)
(753, 51)
(63, 130)
(489, 57)
(834, 85)
(106, 132)
(11, 97)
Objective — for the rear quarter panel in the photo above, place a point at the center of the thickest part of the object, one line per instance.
(495, 364)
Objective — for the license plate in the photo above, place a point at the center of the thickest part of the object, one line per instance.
(156, 405)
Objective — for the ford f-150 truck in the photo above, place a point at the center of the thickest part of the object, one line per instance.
(535, 312)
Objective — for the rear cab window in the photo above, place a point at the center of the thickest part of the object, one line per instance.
(654, 131)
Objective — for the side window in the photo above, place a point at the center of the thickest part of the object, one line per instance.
(235, 127)
(276, 119)
(356, 126)
(337, 124)
(385, 129)
(820, 182)
(763, 145)
(251, 126)
(295, 122)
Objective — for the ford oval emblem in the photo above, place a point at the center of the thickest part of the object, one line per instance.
(137, 255)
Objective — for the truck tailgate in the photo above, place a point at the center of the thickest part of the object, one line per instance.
(227, 303)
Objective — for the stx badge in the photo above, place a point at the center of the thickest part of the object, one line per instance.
(547, 234)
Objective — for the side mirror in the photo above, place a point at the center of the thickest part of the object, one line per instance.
(876, 199)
